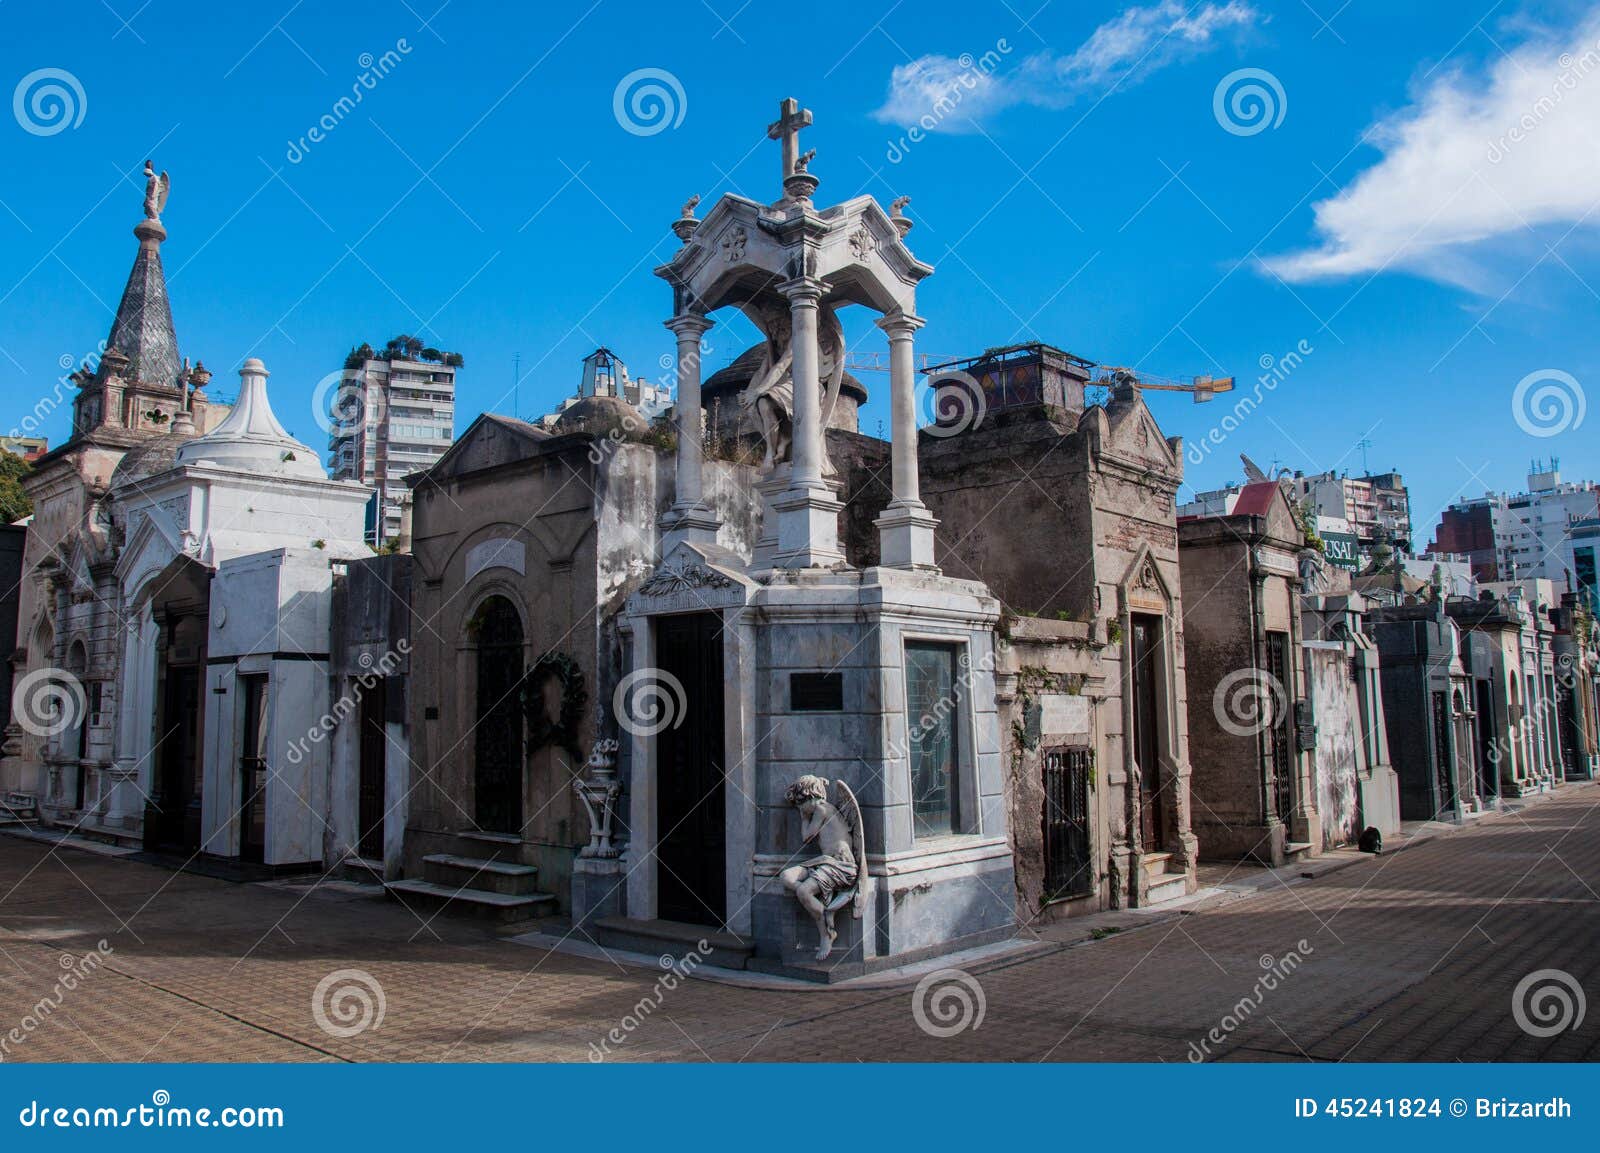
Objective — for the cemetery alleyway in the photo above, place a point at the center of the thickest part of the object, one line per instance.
(1414, 955)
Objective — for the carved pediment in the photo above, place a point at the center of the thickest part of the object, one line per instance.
(683, 577)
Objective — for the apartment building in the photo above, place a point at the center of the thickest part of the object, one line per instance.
(394, 414)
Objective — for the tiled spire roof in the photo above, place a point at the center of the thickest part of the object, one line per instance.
(143, 329)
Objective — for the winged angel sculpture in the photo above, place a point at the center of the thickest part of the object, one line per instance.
(156, 189)
(831, 880)
(770, 395)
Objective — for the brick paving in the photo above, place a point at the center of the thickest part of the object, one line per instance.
(1411, 956)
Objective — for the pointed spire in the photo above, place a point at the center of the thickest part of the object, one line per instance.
(142, 330)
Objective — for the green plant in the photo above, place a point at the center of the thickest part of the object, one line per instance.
(1114, 632)
(14, 502)
(319, 543)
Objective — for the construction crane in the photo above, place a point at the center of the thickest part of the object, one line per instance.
(879, 361)
(1203, 388)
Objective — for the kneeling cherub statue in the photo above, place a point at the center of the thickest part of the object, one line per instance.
(827, 882)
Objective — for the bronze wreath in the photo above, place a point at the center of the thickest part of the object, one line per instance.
(563, 732)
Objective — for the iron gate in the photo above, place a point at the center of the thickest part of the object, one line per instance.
(1068, 870)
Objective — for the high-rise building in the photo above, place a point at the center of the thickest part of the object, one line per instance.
(394, 414)
(1545, 533)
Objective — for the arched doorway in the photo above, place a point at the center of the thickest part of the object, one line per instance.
(497, 736)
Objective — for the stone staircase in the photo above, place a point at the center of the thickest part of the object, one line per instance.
(1162, 886)
(488, 876)
(671, 938)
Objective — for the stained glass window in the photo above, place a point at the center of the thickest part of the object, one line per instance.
(933, 703)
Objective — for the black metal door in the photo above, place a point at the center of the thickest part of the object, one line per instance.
(497, 738)
(1444, 777)
(178, 759)
(253, 770)
(1488, 743)
(1146, 731)
(1278, 734)
(691, 833)
(1067, 868)
(374, 755)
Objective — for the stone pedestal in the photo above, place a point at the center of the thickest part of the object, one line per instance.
(905, 536)
(599, 889)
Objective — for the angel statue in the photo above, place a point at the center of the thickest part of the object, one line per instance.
(770, 395)
(155, 191)
(827, 882)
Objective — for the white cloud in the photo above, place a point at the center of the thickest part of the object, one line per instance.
(945, 93)
(1473, 162)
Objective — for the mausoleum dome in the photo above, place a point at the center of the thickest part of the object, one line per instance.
(603, 416)
(251, 439)
(154, 456)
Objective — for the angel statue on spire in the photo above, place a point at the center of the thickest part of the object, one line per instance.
(155, 191)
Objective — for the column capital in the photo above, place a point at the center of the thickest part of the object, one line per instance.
(900, 324)
(803, 289)
(689, 324)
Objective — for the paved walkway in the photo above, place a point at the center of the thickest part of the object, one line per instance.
(1414, 955)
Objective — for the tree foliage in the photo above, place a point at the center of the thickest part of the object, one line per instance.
(14, 503)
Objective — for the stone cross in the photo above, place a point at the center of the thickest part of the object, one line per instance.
(791, 119)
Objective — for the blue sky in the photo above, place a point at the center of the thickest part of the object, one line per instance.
(1092, 188)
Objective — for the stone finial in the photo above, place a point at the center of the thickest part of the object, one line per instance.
(684, 226)
(897, 214)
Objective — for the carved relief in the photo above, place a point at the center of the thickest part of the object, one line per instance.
(733, 244)
(667, 581)
(862, 243)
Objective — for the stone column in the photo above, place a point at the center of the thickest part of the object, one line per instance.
(808, 513)
(689, 518)
(905, 528)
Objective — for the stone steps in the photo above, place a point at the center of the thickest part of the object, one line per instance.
(671, 938)
(1155, 864)
(488, 875)
(474, 902)
(1166, 887)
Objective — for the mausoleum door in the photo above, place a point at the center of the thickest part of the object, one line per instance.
(1146, 658)
(374, 753)
(497, 737)
(690, 787)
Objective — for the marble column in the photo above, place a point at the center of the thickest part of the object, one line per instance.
(905, 528)
(690, 518)
(808, 513)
